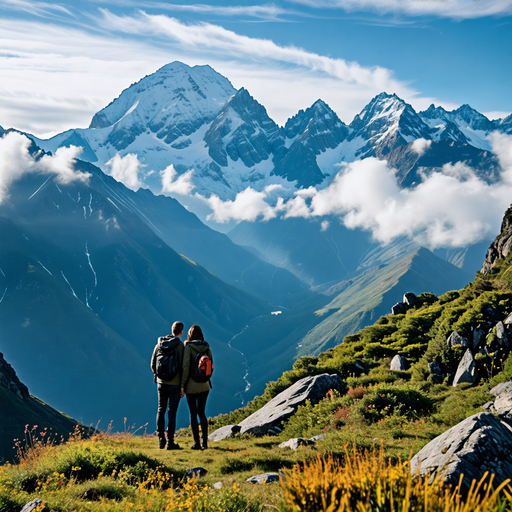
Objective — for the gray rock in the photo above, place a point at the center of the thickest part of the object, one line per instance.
(508, 320)
(399, 309)
(286, 403)
(501, 388)
(398, 363)
(410, 299)
(466, 371)
(293, 444)
(456, 339)
(224, 433)
(435, 368)
(478, 444)
(488, 406)
(503, 406)
(319, 437)
(217, 485)
(35, 504)
(501, 334)
(195, 472)
(478, 337)
(264, 478)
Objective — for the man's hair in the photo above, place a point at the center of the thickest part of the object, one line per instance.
(177, 328)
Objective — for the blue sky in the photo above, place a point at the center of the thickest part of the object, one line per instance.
(62, 62)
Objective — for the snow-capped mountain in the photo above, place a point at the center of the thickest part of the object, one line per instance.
(193, 118)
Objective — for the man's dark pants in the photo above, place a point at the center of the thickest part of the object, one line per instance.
(168, 399)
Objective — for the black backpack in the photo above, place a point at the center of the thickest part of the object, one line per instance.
(202, 367)
(167, 363)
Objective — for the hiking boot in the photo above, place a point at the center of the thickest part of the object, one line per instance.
(196, 446)
(174, 446)
(161, 443)
(205, 443)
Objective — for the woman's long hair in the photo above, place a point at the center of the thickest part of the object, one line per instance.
(194, 333)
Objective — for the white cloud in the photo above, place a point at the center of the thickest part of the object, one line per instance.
(456, 9)
(16, 160)
(421, 145)
(497, 114)
(324, 226)
(248, 205)
(449, 208)
(126, 169)
(181, 185)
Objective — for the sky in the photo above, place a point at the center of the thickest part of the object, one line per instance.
(62, 62)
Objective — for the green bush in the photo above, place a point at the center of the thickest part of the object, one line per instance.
(384, 400)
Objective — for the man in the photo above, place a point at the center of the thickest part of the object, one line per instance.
(166, 364)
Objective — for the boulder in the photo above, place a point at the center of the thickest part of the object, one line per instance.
(478, 444)
(410, 300)
(466, 371)
(293, 444)
(217, 485)
(508, 320)
(503, 406)
(456, 339)
(501, 334)
(399, 309)
(319, 437)
(224, 433)
(478, 337)
(501, 388)
(195, 472)
(264, 478)
(282, 406)
(437, 374)
(35, 504)
(398, 363)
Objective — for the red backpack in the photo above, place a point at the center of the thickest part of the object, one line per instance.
(203, 368)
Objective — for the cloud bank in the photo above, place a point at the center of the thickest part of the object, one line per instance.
(172, 183)
(126, 169)
(449, 208)
(16, 161)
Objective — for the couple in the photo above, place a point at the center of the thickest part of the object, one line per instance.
(187, 371)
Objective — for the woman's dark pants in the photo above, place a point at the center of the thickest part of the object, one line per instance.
(197, 404)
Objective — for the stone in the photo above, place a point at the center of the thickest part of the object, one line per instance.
(399, 309)
(501, 388)
(410, 300)
(217, 485)
(282, 406)
(478, 444)
(501, 334)
(478, 337)
(319, 437)
(264, 478)
(35, 504)
(435, 368)
(503, 406)
(293, 444)
(195, 472)
(508, 320)
(224, 433)
(398, 363)
(488, 406)
(466, 371)
(456, 339)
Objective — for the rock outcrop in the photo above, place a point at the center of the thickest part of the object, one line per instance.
(409, 301)
(478, 444)
(501, 247)
(466, 371)
(286, 403)
(224, 433)
(398, 363)
(9, 380)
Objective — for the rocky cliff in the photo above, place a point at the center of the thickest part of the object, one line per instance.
(9, 380)
(501, 248)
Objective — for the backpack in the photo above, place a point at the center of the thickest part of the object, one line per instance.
(167, 363)
(202, 368)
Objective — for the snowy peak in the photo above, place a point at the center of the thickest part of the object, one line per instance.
(386, 123)
(471, 118)
(242, 130)
(173, 102)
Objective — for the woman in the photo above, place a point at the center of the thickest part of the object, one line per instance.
(197, 392)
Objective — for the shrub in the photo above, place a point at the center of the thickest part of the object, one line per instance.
(357, 392)
(385, 400)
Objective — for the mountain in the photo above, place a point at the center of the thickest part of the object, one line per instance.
(87, 287)
(193, 118)
(19, 409)
(348, 307)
